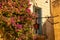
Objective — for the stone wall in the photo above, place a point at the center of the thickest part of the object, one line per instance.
(55, 8)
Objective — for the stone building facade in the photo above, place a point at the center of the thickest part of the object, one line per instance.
(55, 8)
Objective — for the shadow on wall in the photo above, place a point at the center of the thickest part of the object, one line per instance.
(48, 29)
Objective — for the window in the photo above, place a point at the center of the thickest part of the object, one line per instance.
(39, 19)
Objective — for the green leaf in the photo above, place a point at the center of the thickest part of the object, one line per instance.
(6, 14)
(13, 0)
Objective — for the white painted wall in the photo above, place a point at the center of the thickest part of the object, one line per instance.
(45, 8)
(31, 7)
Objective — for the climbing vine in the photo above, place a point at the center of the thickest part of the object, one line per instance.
(16, 20)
